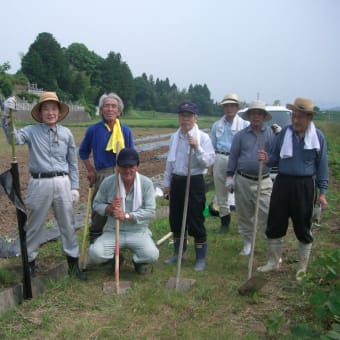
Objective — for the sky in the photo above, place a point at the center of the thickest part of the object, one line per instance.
(260, 49)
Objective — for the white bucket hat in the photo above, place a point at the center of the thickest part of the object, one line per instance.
(257, 105)
(230, 98)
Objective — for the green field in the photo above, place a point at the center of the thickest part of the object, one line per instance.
(212, 308)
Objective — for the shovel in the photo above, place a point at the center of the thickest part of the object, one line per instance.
(177, 283)
(83, 253)
(254, 283)
(120, 287)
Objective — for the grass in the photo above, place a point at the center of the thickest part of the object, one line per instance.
(211, 309)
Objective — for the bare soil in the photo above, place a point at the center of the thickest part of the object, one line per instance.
(150, 166)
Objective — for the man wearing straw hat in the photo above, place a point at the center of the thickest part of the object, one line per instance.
(54, 180)
(243, 169)
(300, 152)
(133, 209)
(222, 134)
(101, 140)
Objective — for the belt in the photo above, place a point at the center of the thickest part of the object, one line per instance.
(48, 174)
(182, 176)
(254, 178)
(223, 153)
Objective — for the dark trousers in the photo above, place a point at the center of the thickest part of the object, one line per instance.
(196, 203)
(98, 221)
(292, 197)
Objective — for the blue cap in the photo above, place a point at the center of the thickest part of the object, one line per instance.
(188, 107)
(128, 156)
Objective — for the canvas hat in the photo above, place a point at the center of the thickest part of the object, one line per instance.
(230, 98)
(128, 156)
(188, 107)
(257, 105)
(48, 96)
(303, 105)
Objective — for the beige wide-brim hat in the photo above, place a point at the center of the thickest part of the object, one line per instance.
(230, 98)
(49, 96)
(257, 105)
(303, 105)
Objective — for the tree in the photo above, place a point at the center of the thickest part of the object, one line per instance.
(6, 84)
(144, 93)
(45, 63)
(117, 77)
(201, 96)
(80, 58)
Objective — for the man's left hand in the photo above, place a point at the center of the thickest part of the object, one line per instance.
(323, 201)
(75, 196)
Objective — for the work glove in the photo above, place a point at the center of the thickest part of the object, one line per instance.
(276, 129)
(230, 184)
(9, 103)
(75, 196)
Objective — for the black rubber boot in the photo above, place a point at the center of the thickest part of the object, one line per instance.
(140, 268)
(174, 257)
(201, 250)
(31, 266)
(225, 225)
(73, 268)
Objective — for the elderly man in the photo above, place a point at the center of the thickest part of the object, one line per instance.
(188, 136)
(101, 139)
(300, 152)
(222, 134)
(134, 209)
(244, 164)
(54, 180)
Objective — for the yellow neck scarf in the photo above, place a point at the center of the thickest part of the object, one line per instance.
(116, 136)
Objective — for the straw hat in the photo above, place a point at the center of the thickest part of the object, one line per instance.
(49, 96)
(257, 105)
(230, 98)
(303, 105)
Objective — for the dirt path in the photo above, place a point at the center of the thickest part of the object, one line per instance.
(150, 165)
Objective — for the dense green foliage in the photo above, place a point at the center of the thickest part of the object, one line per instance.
(80, 75)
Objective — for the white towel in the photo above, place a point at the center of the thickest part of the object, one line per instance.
(173, 148)
(311, 141)
(236, 126)
(137, 193)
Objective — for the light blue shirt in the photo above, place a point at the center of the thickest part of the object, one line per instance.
(223, 142)
(140, 217)
(49, 150)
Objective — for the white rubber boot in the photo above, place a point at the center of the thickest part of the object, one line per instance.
(246, 248)
(274, 256)
(304, 253)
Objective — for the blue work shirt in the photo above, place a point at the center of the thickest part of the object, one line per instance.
(305, 162)
(244, 151)
(95, 141)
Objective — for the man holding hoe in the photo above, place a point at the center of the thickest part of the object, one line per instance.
(300, 152)
(54, 180)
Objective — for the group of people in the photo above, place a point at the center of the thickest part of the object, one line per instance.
(299, 151)
(234, 151)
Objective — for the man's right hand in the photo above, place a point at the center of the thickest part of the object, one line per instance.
(230, 184)
(91, 176)
(9, 104)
